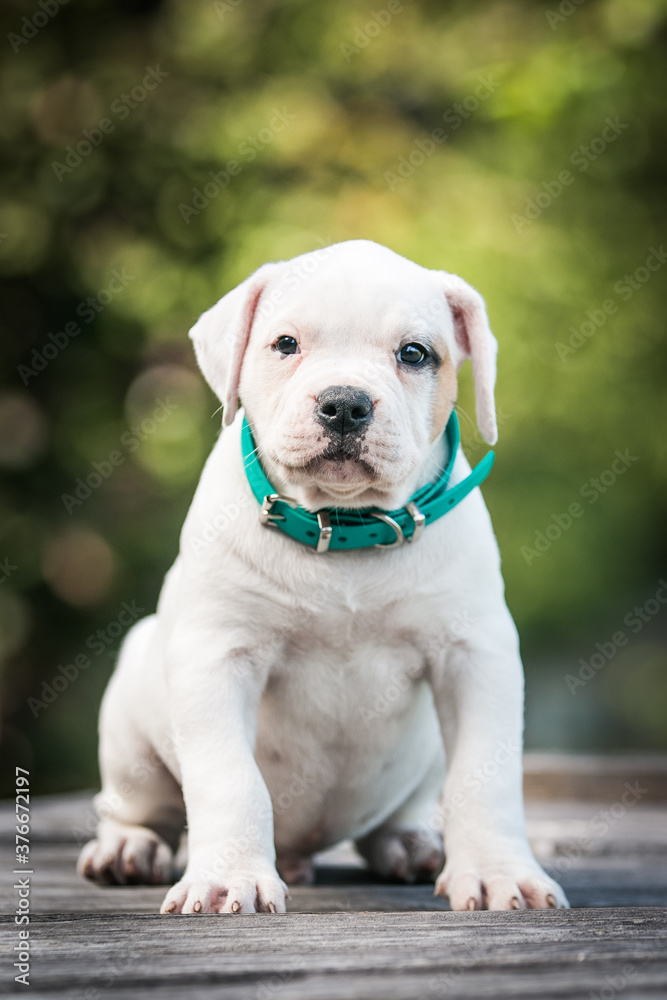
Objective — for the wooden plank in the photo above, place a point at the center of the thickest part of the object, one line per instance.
(54, 818)
(568, 828)
(612, 827)
(604, 881)
(586, 778)
(389, 955)
(350, 935)
(622, 862)
(594, 777)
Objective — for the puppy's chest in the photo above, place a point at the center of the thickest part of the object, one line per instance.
(345, 660)
(350, 641)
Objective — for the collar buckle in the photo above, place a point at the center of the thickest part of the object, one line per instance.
(326, 531)
(418, 519)
(268, 519)
(400, 537)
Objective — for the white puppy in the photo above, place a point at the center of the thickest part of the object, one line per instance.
(285, 698)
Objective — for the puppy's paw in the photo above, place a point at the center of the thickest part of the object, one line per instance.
(126, 855)
(509, 884)
(408, 855)
(246, 890)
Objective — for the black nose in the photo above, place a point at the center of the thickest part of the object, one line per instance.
(343, 409)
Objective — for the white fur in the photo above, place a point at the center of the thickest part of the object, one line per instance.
(297, 698)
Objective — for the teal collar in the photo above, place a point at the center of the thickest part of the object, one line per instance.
(334, 528)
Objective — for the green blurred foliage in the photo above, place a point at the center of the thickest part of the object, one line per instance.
(171, 93)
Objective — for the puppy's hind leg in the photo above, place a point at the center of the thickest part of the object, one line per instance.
(296, 869)
(408, 845)
(140, 806)
(138, 834)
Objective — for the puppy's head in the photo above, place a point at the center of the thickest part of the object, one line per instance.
(345, 360)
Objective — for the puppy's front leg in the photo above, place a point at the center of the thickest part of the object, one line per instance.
(478, 691)
(214, 694)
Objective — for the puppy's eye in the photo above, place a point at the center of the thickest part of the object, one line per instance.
(412, 354)
(286, 345)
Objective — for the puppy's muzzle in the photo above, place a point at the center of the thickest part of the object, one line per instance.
(344, 410)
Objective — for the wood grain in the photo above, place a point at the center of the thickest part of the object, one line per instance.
(352, 936)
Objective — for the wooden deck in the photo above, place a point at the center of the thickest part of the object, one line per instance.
(354, 937)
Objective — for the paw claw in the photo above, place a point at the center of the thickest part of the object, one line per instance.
(249, 890)
(506, 883)
(123, 853)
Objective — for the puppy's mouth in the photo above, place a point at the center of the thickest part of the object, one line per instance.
(340, 456)
(339, 470)
(336, 463)
(341, 474)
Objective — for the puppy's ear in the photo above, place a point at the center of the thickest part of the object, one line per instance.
(475, 341)
(220, 337)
